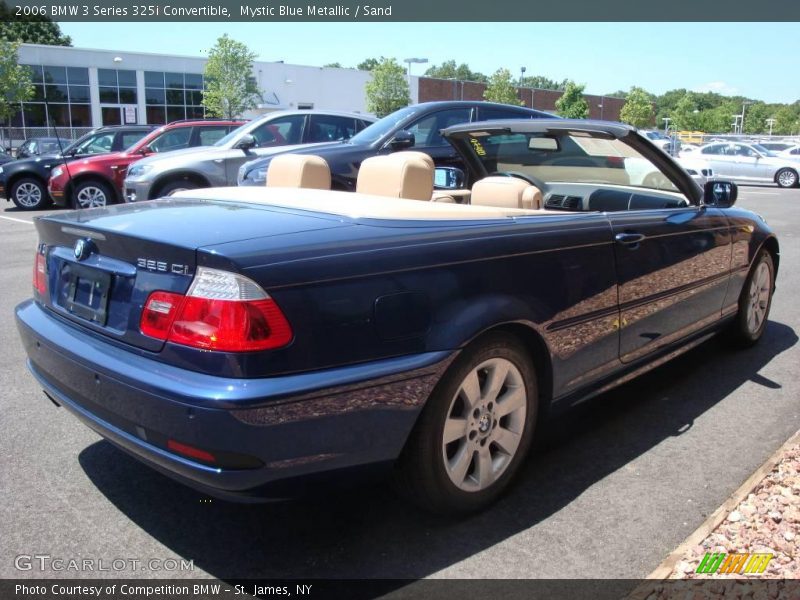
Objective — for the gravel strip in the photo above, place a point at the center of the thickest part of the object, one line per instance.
(767, 521)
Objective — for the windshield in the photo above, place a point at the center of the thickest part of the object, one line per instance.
(566, 157)
(380, 128)
(224, 141)
(763, 150)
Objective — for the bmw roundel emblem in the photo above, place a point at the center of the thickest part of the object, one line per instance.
(81, 249)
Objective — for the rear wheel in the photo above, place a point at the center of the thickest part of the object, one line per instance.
(786, 178)
(474, 431)
(755, 301)
(91, 194)
(29, 194)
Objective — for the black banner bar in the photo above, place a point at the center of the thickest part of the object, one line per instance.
(148, 11)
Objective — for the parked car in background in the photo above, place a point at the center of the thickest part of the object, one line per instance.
(417, 126)
(5, 156)
(749, 163)
(792, 153)
(42, 145)
(24, 182)
(250, 341)
(669, 145)
(98, 180)
(776, 147)
(217, 165)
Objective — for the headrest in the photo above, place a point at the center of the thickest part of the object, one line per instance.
(398, 175)
(299, 171)
(506, 192)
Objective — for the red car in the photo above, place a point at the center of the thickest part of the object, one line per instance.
(97, 180)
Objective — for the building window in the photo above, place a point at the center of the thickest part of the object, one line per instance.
(173, 96)
(117, 86)
(60, 98)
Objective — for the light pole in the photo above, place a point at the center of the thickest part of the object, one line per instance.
(416, 61)
(736, 128)
(666, 123)
(771, 122)
(521, 77)
(741, 127)
(600, 106)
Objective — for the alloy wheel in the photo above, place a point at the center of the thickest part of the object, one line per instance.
(91, 196)
(28, 195)
(759, 297)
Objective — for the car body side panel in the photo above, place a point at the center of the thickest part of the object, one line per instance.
(674, 281)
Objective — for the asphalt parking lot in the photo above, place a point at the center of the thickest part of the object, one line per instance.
(610, 490)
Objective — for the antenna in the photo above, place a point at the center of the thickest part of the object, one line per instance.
(60, 147)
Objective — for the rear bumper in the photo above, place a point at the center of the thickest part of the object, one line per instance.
(300, 428)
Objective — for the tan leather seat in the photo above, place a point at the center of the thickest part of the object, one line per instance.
(299, 171)
(398, 175)
(506, 192)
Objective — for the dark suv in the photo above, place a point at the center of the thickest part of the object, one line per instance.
(25, 181)
(415, 127)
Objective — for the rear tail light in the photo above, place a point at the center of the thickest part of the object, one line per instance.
(40, 272)
(191, 451)
(221, 311)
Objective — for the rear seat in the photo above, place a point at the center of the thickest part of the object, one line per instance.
(299, 171)
(399, 175)
(506, 192)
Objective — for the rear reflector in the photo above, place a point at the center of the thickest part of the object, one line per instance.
(222, 311)
(190, 451)
(40, 273)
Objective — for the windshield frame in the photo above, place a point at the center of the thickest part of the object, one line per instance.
(387, 126)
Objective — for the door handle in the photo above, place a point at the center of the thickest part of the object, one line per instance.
(628, 238)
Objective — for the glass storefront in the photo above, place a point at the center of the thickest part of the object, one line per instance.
(60, 98)
(173, 96)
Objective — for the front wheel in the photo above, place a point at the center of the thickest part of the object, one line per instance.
(755, 301)
(29, 194)
(177, 186)
(92, 194)
(475, 430)
(786, 178)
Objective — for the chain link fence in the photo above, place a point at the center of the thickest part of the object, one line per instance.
(13, 137)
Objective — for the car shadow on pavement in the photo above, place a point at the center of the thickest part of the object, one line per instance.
(371, 533)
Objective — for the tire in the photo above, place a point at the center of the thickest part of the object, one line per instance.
(176, 186)
(755, 301)
(786, 178)
(92, 194)
(29, 193)
(469, 468)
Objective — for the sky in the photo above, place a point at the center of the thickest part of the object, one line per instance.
(758, 60)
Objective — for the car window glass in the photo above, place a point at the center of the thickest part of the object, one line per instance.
(795, 151)
(211, 135)
(47, 147)
(96, 144)
(575, 159)
(174, 139)
(34, 146)
(717, 149)
(426, 130)
(330, 128)
(489, 114)
(129, 139)
(283, 130)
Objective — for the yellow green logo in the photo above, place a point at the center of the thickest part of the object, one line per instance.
(722, 563)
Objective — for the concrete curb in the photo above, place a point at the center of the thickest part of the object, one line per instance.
(663, 570)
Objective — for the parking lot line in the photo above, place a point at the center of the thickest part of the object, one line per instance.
(16, 220)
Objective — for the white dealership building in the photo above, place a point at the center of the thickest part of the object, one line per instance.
(79, 88)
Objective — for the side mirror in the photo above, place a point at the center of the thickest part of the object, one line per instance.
(448, 178)
(721, 194)
(144, 151)
(402, 139)
(247, 142)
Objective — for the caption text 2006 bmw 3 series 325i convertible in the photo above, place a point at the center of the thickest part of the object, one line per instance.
(252, 341)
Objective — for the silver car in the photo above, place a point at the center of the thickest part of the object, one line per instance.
(748, 163)
(216, 166)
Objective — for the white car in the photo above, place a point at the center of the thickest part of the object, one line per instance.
(664, 142)
(749, 163)
(792, 153)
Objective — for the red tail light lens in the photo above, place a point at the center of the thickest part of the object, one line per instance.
(222, 311)
(190, 451)
(40, 273)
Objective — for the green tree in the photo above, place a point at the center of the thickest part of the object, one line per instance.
(501, 89)
(30, 30)
(230, 87)
(333, 65)
(685, 115)
(543, 83)
(755, 118)
(449, 70)
(15, 81)
(387, 90)
(638, 109)
(572, 104)
(621, 94)
(787, 119)
(369, 64)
